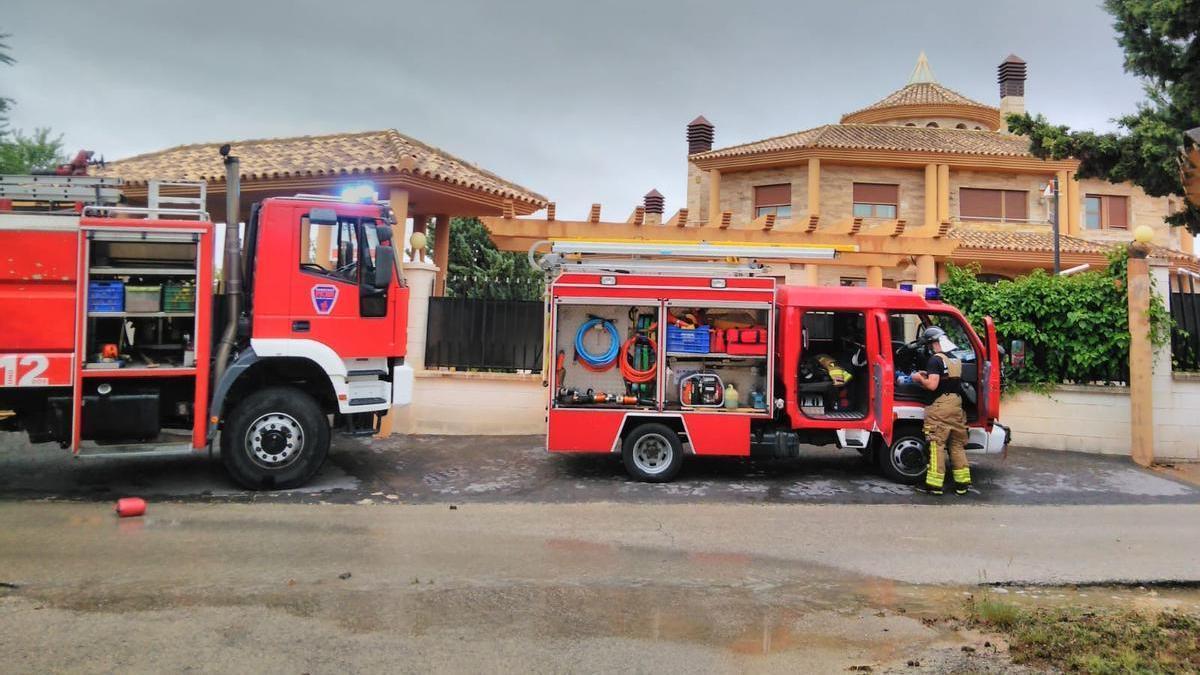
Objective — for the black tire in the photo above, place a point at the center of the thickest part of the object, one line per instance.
(270, 460)
(652, 453)
(907, 457)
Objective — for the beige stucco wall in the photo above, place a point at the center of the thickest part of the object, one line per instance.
(466, 404)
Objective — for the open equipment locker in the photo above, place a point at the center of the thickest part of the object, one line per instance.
(598, 427)
(197, 238)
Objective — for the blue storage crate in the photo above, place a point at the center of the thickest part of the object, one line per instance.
(690, 340)
(106, 296)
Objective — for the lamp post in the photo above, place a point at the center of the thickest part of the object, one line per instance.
(1053, 189)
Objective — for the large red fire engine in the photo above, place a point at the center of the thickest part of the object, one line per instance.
(111, 341)
(659, 354)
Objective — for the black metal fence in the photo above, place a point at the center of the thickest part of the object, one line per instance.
(489, 328)
(1185, 311)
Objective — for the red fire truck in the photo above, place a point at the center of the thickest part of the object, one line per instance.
(112, 342)
(657, 358)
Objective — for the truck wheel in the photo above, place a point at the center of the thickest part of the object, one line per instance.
(276, 438)
(907, 458)
(652, 453)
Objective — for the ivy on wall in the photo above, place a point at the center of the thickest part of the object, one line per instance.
(1075, 329)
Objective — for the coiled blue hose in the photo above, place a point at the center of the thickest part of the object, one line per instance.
(606, 359)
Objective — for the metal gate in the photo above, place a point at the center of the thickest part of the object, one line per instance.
(1185, 311)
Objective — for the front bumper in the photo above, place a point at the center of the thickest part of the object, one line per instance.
(983, 442)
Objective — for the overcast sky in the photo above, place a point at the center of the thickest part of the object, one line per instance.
(581, 101)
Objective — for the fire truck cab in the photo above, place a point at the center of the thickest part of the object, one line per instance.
(656, 361)
(112, 341)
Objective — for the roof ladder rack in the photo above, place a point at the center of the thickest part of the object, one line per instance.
(47, 192)
(186, 196)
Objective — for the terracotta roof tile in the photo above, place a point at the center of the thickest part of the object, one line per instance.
(884, 137)
(386, 151)
(922, 93)
(1026, 241)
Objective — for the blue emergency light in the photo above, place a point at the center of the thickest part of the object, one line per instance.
(359, 193)
(933, 293)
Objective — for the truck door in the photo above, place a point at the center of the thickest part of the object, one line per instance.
(883, 374)
(989, 376)
(333, 300)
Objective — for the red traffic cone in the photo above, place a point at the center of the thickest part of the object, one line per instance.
(128, 507)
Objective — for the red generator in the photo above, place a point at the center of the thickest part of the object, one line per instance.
(658, 358)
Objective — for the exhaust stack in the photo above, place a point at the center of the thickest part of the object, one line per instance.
(232, 266)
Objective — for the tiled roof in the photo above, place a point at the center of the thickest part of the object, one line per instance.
(1025, 241)
(386, 151)
(922, 93)
(885, 137)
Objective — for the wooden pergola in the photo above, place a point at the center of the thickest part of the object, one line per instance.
(422, 182)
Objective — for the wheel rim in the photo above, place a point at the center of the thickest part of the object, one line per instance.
(653, 453)
(274, 440)
(908, 456)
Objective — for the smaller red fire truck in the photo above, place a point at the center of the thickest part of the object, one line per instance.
(112, 341)
(660, 353)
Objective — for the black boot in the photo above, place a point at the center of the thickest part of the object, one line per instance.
(960, 489)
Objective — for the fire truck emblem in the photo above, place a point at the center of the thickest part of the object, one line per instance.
(324, 297)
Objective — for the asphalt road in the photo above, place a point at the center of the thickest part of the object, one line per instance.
(437, 469)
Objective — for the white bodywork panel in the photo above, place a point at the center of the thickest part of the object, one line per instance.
(345, 387)
(402, 385)
(853, 438)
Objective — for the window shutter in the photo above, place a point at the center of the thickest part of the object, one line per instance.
(977, 203)
(876, 193)
(1118, 212)
(1016, 205)
(773, 195)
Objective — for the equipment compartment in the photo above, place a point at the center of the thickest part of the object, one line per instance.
(736, 359)
(606, 356)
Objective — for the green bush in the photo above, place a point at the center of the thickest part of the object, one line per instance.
(1075, 328)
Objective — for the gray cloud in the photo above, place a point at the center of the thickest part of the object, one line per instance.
(582, 101)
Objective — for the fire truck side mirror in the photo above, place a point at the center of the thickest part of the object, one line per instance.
(385, 263)
(322, 217)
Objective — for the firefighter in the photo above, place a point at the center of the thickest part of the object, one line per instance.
(945, 421)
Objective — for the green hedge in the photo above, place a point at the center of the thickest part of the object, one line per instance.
(1075, 328)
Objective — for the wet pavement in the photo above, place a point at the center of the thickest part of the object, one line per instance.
(587, 587)
(435, 469)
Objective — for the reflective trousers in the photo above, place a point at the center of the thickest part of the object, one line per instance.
(946, 429)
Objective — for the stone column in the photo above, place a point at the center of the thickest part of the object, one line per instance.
(814, 187)
(1074, 205)
(931, 196)
(714, 197)
(943, 212)
(926, 270)
(441, 252)
(875, 276)
(1064, 203)
(812, 274)
(1141, 362)
(420, 277)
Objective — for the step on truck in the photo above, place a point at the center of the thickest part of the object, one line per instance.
(660, 353)
(112, 341)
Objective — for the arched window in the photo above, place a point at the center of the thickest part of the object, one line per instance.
(910, 124)
(978, 128)
(932, 125)
(960, 125)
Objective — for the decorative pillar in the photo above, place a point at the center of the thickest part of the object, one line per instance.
(1074, 205)
(812, 274)
(714, 196)
(441, 252)
(931, 196)
(875, 276)
(943, 209)
(814, 186)
(1141, 386)
(398, 199)
(1063, 205)
(926, 270)
(421, 277)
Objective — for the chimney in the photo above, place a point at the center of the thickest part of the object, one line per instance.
(699, 135)
(653, 202)
(1011, 75)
